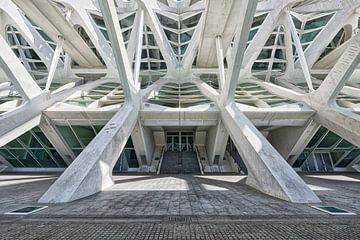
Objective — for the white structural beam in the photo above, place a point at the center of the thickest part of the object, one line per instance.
(299, 50)
(27, 116)
(327, 34)
(144, 143)
(15, 125)
(56, 140)
(340, 74)
(28, 32)
(91, 171)
(216, 142)
(139, 42)
(111, 20)
(267, 27)
(17, 73)
(51, 20)
(327, 6)
(341, 121)
(192, 49)
(221, 20)
(267, 170)
(220, 61)
(152, 21)
(54, 62)
(246, 15)
(291, 141)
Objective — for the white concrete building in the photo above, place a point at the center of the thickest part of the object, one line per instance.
(264, 88)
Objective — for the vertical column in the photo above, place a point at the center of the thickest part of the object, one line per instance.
(216, 140)
(144, 143)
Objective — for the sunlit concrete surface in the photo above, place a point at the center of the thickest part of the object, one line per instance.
(165, 195)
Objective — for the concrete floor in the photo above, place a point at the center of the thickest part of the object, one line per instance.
(203, 196)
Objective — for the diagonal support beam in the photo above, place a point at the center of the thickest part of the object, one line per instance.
(56, 140)
(242, 32)
(220, 60)
(91, 171)
(139, 34)
(111, 20)
(300, 52)
(343, 122)
(340, 74)
(268, 171)
(159, 35)
(17, 73)
(54, 63)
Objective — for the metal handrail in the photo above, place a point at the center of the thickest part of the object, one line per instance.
(199, 161)
(161, 160)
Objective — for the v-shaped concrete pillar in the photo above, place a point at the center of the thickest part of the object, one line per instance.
(268, 170)
(91, 171)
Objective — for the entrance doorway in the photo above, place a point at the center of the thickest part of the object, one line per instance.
(180, 156)
(179, 141)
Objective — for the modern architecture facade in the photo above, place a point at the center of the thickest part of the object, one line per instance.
(95, 87)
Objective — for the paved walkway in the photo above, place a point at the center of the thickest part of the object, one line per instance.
(87, 230)
(167, 207)
(180, 195)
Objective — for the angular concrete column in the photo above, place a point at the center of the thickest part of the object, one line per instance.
(340, 18)
(338, 120)
(216, 141)
(17, 73)
(291, 141)
(144, 143)
(268, 171)
(91, 171)
(56, 140)
(242, 33)
(51, 20)
(35, 40)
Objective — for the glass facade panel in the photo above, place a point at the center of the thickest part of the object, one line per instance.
(32, 149)
(334, 151)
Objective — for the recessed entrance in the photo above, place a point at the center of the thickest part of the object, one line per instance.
(180, 141)
(180, 156)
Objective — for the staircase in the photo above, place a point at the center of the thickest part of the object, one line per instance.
(180, 163)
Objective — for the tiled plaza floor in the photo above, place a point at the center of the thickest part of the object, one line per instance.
(168, 207)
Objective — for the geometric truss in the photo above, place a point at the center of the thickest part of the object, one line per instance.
(98, 83)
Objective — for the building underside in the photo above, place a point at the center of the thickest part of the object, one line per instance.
(263, 88)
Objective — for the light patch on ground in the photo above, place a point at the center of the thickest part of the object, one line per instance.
(209, 187)
(232, 179)
(19, 179)
(335, 178)
(153, 184)
(319, 188)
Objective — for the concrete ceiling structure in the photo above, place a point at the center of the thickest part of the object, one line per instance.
(265, 88)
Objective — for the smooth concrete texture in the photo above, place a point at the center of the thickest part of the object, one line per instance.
(215, 139)
(144, 143)
(341, 121)
(91, 171)
(108, 52)
(289, 141)
(49, 18)
(268, 171)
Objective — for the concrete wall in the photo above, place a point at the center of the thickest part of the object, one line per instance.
(159, 137)
(200, 138)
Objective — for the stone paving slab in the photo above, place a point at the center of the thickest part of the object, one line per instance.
(23, 229)
(149, 195)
